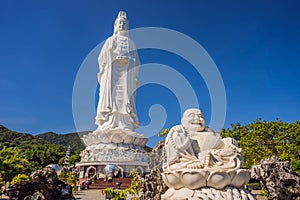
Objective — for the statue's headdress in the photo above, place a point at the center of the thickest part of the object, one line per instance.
(122, 14)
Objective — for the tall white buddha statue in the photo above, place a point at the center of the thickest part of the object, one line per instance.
(118, 78)
(116, 111)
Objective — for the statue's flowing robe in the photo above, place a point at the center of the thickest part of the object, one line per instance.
(118, 84)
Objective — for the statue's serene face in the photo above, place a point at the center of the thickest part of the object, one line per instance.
(121, 25)
(193, 120)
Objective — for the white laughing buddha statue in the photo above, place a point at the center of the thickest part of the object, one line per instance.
(197, 156)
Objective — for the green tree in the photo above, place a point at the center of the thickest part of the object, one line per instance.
(72, 179)
(19, 178)
(41, 155)
(12, 163)
(163, 132)
(36, 151)
(23, 153)
(134, 188)
(63, 175)
(69, 177)
(262, 139)
(75, 158)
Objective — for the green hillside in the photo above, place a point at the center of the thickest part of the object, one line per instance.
(71, 139)
(24, 153)
(9, 138)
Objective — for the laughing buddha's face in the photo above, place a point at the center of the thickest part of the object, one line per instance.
(193, 120)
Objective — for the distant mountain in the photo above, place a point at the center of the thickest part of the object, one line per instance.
(11, 138)
(71, 139)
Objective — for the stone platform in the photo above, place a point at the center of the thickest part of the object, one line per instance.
(117, 136)
(123, 148)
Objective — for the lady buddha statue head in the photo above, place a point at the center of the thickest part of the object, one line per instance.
(121, 24)
(193, 120)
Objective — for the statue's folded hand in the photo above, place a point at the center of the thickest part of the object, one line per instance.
(176, 128)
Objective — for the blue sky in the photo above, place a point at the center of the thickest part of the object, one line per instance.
(254, 44)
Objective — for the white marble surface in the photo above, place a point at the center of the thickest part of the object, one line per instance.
(228, 193)
(115, 138)
(198, 157)
(118, 78)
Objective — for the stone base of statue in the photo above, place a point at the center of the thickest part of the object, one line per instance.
(208, 193)
(197, 178)
(122, 148)
(114, 145)
(206, 184)
(117, 136)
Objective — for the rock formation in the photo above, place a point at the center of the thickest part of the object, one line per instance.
(276, 177)
(43, 183)
(153, 185)
(157, 156)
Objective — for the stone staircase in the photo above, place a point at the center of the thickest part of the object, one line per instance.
(101, 184)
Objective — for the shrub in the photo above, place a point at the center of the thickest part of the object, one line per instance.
(19, 178)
